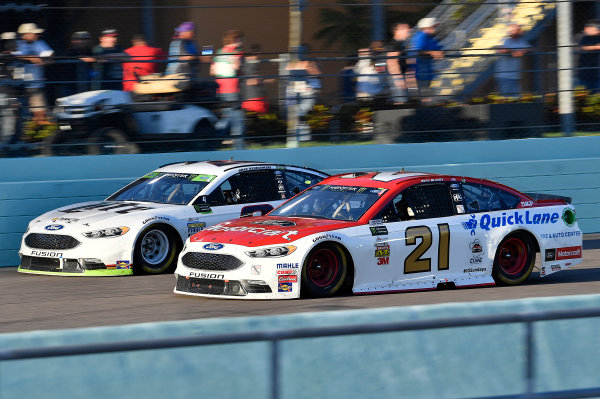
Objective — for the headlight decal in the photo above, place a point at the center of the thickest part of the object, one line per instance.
(272, 252)
(107, 233)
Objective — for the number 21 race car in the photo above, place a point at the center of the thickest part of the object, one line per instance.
(383, 232)
(142, 227)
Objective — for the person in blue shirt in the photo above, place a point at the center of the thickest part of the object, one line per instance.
(34, 53)
(510, 62)
(183, 53)
(426, 48)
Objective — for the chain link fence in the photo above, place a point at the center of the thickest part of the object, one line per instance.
(82, 77)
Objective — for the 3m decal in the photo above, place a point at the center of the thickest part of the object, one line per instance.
(383, 261)
(284, 287)
(413, 262)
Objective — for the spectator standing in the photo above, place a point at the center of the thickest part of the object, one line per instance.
(589, 56)
(348, 80)
(109, 58)
(183, 53)
(369, 83)
(139, 52)
(77, 67)
(10, 90)
(401, 78)
(426, 48)
(226, 67)
(35, 53)
(510, 62)
(254, 94)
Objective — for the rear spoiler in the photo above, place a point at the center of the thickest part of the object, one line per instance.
(539, 197)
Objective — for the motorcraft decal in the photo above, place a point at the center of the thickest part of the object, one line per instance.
(255, 230)
(111, 206)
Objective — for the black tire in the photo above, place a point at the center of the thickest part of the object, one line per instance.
(110, 140)
(204, 137)
(514, 260)
(324, 271)
(155, 251)
(62, 143)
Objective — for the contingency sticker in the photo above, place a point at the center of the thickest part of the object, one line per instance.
(206, 178)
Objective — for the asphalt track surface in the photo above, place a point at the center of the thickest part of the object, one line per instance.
(33, 302)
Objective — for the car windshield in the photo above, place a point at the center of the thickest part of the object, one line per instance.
(331, 202)
(163, 188)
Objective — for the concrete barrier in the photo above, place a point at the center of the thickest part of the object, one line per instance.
(474, 361)
(564, 166)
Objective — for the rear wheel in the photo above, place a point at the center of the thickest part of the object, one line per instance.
(324, 271)
(155, 251)
(110, 140)
(514, 259)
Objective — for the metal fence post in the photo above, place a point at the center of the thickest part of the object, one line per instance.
(564, 36)
(529, 359)
(275, 369)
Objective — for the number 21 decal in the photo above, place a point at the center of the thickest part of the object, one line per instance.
(413, 262)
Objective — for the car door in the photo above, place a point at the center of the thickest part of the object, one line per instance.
(246, 193)
(417, 240)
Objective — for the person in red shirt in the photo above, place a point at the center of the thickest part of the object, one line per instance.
(138, 53)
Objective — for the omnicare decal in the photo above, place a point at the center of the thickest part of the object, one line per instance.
(487, 222)
(255, 230)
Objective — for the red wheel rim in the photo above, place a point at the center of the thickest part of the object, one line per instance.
(513, 256)
(323, 267)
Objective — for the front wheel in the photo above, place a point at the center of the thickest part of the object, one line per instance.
(155, 251)
(204, 136)
(514, 259)
(324, 271)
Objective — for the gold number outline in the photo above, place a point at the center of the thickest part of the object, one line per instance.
(413, 263)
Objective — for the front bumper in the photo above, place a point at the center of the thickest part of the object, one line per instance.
(232, 274)
(88, 257)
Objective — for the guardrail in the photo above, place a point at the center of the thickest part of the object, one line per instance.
(276, 336)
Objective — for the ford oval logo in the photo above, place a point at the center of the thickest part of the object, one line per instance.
(53, 227)
(213, 246)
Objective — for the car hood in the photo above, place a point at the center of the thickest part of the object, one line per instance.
(91, 213)
(267, 230)
(88, 98)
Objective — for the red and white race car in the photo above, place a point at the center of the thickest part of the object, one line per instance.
(383, 232)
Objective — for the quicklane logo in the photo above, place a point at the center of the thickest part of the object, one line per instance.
(487, 222)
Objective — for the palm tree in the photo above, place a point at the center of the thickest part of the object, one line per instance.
(349, 27)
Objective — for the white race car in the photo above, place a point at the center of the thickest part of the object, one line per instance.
(142, 227)
(383, 232)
